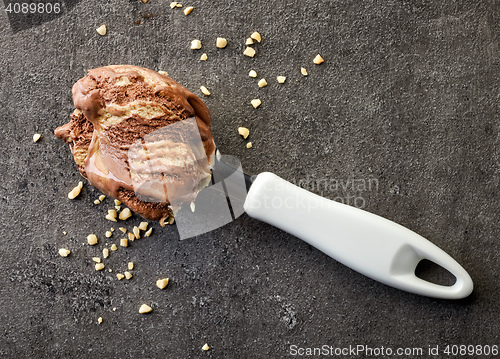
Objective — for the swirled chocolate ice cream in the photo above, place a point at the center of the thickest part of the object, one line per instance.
(123, 110)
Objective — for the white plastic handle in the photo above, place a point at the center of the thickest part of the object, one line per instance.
(365, 242)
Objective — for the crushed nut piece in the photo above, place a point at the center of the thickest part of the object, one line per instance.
(130, 265)
(110, 270)
(205, 347)
(145, 309)
(262, 83)
(195, 44)
(173, 4)
(148, 232)
(114, 309)
(250, 52)
(164, 73)
(252, 73)
(193, 206)
(64, 232)
(249, 145)
(178, 5)
(92, 239)
(117, 202)
(120, 276)
(249, 41)
(63, 252)
(97, 201)
(243, 131)
(99, 266)
(118, 208)
(36, 137)
(170, 220)
(203, 57)
(111, 216)
(75, 191)
(108, 234)
(128, 275)
(102, 197)
(114, 247)
(96, 259)
(123, 242)
(136, 231)
(101, 30)
(131, 236)
(105, 253)
(162, 283)
(99, 320)
(318, 59)
(255, 102)
(112, 229)
(124, 230)
(303, 71)
(188, 10)
(125, 214)
(221, 42)
(256, 36)
(205, 90)
(143, 226)
(281, 79)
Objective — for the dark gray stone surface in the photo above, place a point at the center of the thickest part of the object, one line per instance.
(408, 96)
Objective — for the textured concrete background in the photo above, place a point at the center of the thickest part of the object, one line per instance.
(408, 96)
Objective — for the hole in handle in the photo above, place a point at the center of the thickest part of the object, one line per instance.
(434, 273)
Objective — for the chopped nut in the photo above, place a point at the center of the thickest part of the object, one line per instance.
(318, 59)
(188, 10)
(205, 347)
(125, 214)
(36, 137)
(102, 197)
(249, 145)
(118, 208)
(262, 83)
(170, 220)
(75, 191)
(249, 41)
(193, 206)
(203, 57)
(205, 90)
(111, 215)
(303, 71)
(105, 253)
(221, 42)
(252, 73)
(173, 4)
(96, 259)
(281, 79)
(148, 232)
(136, 231)
(92, 239)
(243, 131)
(143, 226)
(99, 266)
(250, 52)
(99, 320)
(164, 73)
(114, 247)
(110, 270)
(131, 236)
(112, 229)
(108, 234)
(256, 36)
(120, 276)
(178, 5)
(117, 202)
(64, 232)
(97, 201)
(128, 275)
(63, 252)
(130, 265)
(124, 230)
(114, 309)
(145, 309)
(101, 30)
(162, 283)
(255, 102)
(123, 242)
(195, 44)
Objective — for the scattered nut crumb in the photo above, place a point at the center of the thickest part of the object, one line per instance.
(136, 231)
(193, 206)
(101, 30)
(117, 202)
(250, 52)
(130, 265)
(111, 216)
(131, 236)
(92, 239)
(123, 242)
(99, 266)
(252, 73)
(99, 320)
(195, 44)
(303, 71)
(120, 276)
(173, 4)
(112, 229)
(143, 226)
(125, 214)
(162, 283)
(262, 83)
(249, 41)
(96, 259)
(318, 59)
(145, 309)
(188, 10)
(256, 36)
(128, 275)
(75, 191)
(64, 232)
(164, 73)
(63, 252)
(114, 247)
(114, 309)
(243, 131)
(203, 57)
(102, 197)
(281, 79)
(255, 102)
(124, 230)
(205, 347)
(110, 270)
(118, 208)
(36, 137)
(249, 145)
(178, 5)
(108, 234)
(205, 90)
(97, 201)
(148, 232)
(221, 42)
(105, 253)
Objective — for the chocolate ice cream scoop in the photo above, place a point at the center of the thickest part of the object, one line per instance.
(119, 106)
